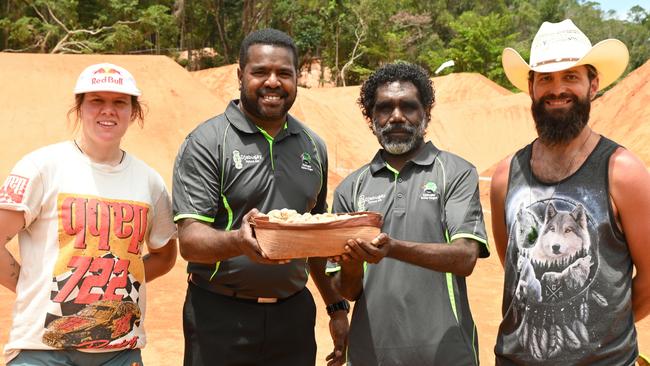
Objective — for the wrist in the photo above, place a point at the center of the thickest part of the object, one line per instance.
(340, 306)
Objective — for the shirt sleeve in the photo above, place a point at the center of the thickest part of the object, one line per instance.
(196, 188)
(341, 203)
(321, 201)
(23, 190)
(163, 228)
(343, 200)
(463, 212)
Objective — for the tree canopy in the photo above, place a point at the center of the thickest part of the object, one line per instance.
(350, 37)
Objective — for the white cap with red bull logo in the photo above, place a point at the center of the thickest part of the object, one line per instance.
(106, 77)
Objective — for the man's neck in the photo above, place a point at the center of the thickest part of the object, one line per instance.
(271, 126)
(398, 161)
(554, 162)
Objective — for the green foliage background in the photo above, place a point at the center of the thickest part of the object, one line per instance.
(352, 38)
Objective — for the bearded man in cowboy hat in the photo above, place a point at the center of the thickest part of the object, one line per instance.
(570, 214)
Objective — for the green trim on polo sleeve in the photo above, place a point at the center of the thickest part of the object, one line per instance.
(644, 358)
(194, 216)
(471, 236)
(332, 270)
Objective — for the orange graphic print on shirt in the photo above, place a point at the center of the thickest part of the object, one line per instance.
(98, 273)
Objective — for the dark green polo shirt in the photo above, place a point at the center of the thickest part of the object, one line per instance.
(226, 167)
(409, 315)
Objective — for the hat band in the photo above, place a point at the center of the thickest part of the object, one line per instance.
(541, 63)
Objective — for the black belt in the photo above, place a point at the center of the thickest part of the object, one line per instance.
(224, 291)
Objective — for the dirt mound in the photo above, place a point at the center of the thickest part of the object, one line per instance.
(622, 114)
(37, 93)
(221, 81)
(473, 117)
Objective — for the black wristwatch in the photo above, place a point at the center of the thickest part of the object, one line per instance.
(341, 305)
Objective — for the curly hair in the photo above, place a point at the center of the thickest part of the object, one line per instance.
(401, 71)
(268, 36)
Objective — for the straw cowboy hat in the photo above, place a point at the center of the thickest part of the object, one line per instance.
(560, 46)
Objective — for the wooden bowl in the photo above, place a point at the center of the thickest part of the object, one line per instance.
(323, 239)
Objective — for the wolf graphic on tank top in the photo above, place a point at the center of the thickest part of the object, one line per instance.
(567, 294)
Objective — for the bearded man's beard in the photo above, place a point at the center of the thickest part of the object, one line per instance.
(560, 126)
(396, 145)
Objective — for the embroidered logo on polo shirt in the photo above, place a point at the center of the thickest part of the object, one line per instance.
(239, 159)
(363, 201)
(306, 162)
(236, 157)
(430, 191)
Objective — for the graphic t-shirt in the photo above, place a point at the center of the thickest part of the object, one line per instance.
(82, 280)
(568, 284)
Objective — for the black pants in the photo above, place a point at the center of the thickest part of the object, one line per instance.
(221, 330)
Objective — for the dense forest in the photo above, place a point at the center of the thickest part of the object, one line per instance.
(349, 37)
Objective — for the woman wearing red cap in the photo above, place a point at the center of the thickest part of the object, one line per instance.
(83, 210)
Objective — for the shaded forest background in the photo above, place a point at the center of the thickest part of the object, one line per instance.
(349, 38)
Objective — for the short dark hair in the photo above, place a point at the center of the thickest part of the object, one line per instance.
(591, 73)
(268, 36)
(389, 73)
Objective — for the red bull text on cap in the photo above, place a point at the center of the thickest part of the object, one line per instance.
(106, 77)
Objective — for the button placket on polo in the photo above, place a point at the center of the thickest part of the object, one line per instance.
(401, 193)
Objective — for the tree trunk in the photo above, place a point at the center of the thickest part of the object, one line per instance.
(218, 6)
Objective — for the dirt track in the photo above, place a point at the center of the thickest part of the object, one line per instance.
(473, 117)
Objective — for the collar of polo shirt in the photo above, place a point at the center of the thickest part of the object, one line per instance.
(426, 156)
(237, 118)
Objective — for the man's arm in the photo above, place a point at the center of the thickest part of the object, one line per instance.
(630, 192)
(201, 243)
(348, 281)
(11, 222)
(498, 188)
(159, 261)
(323, 282)
(459, 257)
(338, 323)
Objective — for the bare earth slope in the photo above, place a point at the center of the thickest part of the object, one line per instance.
(473, 117)
(623, 113)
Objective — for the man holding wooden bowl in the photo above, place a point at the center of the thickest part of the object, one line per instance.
(241, 307)
(409, 282)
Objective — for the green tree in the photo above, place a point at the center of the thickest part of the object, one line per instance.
(479, 42)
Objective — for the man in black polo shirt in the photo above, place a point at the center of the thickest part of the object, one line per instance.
(411, 307)
(242, 308)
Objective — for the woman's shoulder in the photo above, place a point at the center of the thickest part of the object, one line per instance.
(50, 154)
(144, 168)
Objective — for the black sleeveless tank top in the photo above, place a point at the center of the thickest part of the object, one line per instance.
(567, 298)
